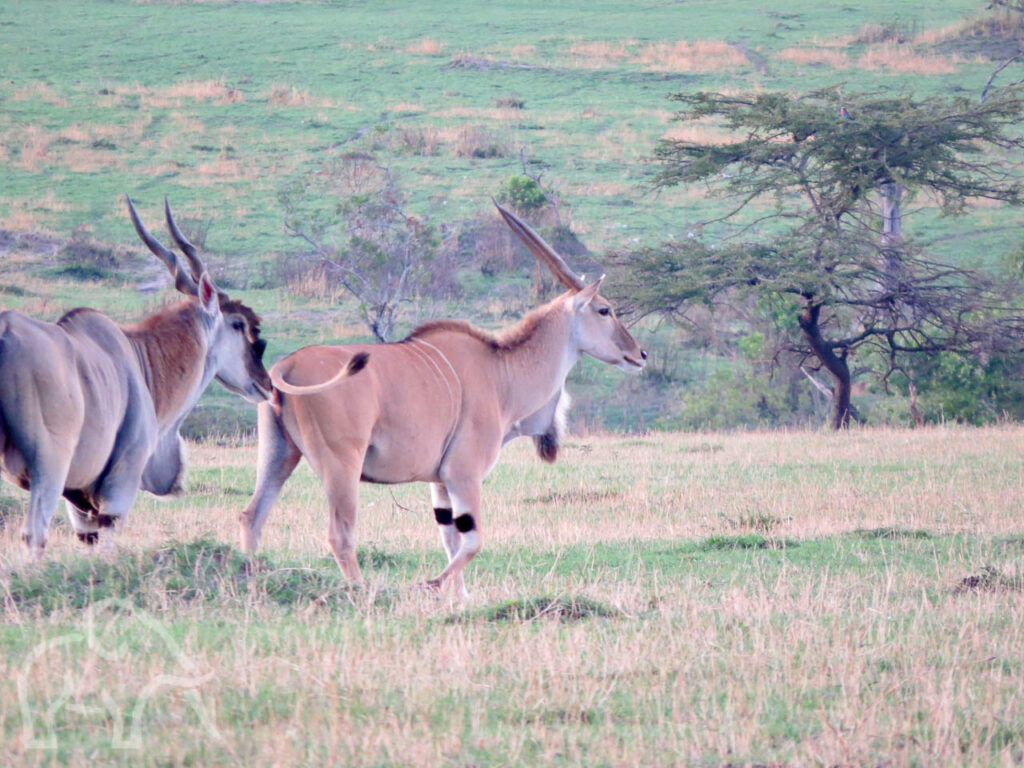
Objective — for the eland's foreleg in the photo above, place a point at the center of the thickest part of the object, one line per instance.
(445, 518)
(277, 457)
(465, 498)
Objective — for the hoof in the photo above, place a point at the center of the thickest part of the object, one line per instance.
(433, 586)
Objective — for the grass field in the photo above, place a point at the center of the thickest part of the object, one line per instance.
(223, 106)
(788, 598)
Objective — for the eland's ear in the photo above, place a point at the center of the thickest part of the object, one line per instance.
(207, 293)
(586, 295)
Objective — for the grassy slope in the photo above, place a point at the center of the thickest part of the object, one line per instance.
(120, 73)
(221, 106)
(705, 599)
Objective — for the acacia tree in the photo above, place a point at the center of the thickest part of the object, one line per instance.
(816, 188)
(351, 214)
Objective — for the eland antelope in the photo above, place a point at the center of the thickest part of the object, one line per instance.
(90, 410)
(435, 408)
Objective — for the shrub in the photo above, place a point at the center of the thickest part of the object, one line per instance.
(82, 259)
(522, 193)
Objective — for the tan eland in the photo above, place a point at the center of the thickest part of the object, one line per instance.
(435, 408)
(90, 410)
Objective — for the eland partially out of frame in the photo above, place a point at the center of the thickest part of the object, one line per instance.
(435, 408)
(90, 410)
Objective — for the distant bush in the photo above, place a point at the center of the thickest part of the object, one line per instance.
(522, 193)
(509, 102)
(82, 259)
(206, 423)
(892, 31)
(480, 142)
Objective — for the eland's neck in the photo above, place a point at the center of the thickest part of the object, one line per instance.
(534, 370)
(171, 351)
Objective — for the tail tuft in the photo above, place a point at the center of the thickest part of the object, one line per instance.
(547, 446)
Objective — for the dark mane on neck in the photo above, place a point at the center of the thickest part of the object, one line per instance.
(168, 343)
(504, 340)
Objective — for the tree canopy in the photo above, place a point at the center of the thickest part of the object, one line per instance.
(816, 188)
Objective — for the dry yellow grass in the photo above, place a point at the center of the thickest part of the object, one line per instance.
(427, 46)
(700, 56)
(700, 132)
(766, 657)
(678, 56)
(896, 58)
(175, 95)
(40, 91)
(666, 485)
(828, 57)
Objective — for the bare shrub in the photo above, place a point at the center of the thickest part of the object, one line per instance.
(423, 141)
(874, 33)
(288, 96)
(306, 278)
(478, 141)
(376, 251)
(82, 258)
(509, 102)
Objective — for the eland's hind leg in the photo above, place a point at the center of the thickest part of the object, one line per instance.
(277, 458)
(341, 482)
(45, 486)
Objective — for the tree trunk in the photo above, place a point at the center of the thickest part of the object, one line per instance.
(916, 414)
(833, 363)
(892, 234)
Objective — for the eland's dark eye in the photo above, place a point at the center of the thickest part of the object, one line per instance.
(604, 311)
(238, 325)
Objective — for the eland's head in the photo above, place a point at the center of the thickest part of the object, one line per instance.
(234, 347)
(596, 331)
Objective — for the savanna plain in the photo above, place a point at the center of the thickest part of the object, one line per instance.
(793, 598)
(772, 598)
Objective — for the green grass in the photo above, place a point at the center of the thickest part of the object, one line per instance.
(108, 68)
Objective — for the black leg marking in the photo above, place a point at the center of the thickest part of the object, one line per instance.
(465, 523)
(105, 521)
(443, 516)
(89, 537)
